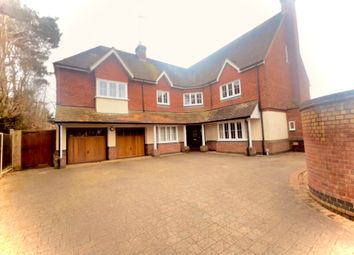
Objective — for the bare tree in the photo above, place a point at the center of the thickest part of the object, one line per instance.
(26, 41)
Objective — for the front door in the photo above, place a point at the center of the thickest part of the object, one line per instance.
(194, 137)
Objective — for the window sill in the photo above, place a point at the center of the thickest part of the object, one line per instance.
(232, 140)
(114, 98)
(230, 98)
(167, 142)
(193, 106)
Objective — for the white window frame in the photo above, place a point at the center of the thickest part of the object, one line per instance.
(157, 97)
(234, 84)
(243, 130)
(190, 98)
(167, 136)
(292, 125)
(108, 82)
(286, 54)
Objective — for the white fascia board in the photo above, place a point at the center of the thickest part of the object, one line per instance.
(164, 74)
(108, 54)
(227, 61)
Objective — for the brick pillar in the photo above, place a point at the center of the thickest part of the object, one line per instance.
(16, 137)
(112, 153)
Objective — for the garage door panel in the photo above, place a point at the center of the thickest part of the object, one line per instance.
(130, 142)
(86, 149)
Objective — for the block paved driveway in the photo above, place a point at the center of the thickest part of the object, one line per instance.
(182, 204)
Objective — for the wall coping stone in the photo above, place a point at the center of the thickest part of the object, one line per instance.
(337, 97)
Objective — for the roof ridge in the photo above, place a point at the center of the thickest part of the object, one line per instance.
(82, 52)
(151, 59)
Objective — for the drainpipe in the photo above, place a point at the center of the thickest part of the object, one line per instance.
(211, 97)
(59, 146)
(260, 111)
(248, 137)
(142, 96)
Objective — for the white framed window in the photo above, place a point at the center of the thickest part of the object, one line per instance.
(190, 99)
(231, 89)
(167, 134)
(163, 97)
(232, 131)
(111, 89)
(292, 126)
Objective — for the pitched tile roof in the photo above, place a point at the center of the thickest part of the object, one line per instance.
(89, 115)
(247, 50)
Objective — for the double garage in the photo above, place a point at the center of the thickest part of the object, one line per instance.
(90, 144)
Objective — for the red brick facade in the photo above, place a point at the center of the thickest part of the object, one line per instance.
(294, 115)
(163, 148)
(142, 96)
(237, 147)
(328, 126)
(275, 83)
(112, 153)
(75, 88)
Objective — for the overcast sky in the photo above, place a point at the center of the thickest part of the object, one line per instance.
(181, 32)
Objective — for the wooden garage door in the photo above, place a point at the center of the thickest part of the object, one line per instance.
(86, 147)
(130, 142)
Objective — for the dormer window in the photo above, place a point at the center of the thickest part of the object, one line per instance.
(231, 89)
(111, 89)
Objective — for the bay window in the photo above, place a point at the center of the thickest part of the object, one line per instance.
(111, 89)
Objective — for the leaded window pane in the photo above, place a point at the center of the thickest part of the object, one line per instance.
(226, 130)
(239, 130)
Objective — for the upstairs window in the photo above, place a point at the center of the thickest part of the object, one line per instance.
(190, 99)
(230, 90)
(229, 131)
(163, 97)
(112, 89)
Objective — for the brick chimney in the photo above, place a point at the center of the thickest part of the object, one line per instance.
(293, 49)
(140, 52)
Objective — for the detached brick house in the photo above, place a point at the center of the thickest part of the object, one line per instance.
(243, 98)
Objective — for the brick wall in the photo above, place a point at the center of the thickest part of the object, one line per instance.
(328, 127)
(75, 88)
(211, 145)
(237, 147)
(163, 148)
(112, 153)
(111, 69)
(291, 84)
(294, 115)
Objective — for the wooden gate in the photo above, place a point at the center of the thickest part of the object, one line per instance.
(37, 148)
(130, 142)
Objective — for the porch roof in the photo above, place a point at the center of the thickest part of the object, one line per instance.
(69, 114)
